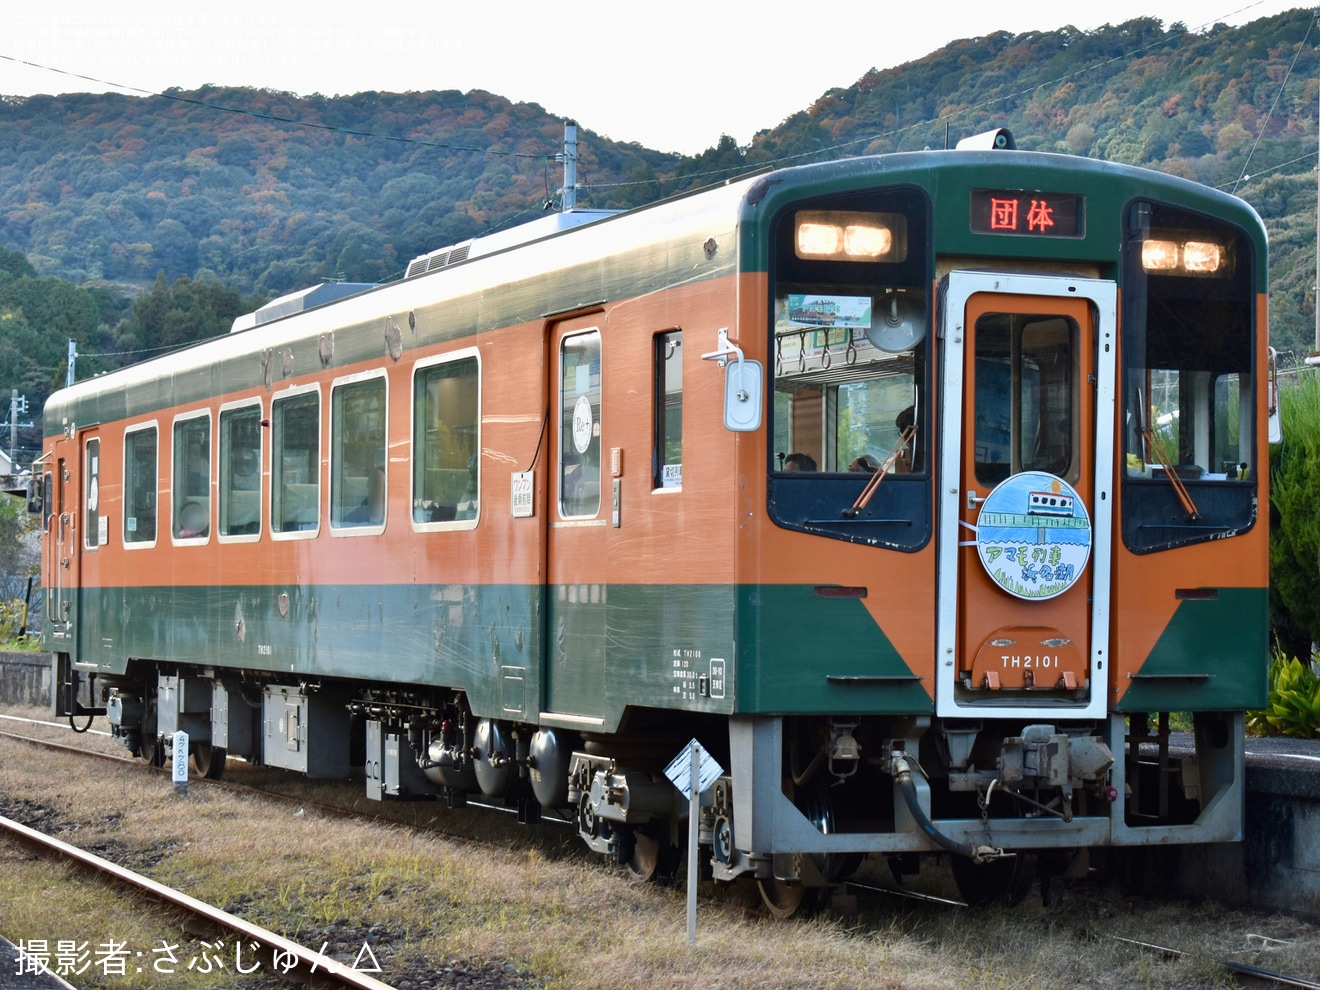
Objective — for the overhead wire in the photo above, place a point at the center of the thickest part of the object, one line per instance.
(1260, 131)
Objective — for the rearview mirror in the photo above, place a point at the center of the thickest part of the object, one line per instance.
(743, 387)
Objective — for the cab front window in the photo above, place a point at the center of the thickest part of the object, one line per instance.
(850, 357)
(1190, 460)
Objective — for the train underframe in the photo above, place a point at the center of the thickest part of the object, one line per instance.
(803, 800)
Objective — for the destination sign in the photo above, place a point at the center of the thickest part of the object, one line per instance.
(1016, 211)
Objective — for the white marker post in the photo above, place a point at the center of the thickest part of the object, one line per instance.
(694, 821)
(180, 762)
(693, 771)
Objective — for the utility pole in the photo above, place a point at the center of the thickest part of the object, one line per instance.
(17, 406)
(73, 357)
(569, 198)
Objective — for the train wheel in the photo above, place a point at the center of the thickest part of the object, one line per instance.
(209, 760)
(645, 858)
(1000, 881)
(785, 898)
(152, 751)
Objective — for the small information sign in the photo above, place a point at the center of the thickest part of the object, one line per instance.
(680, 770)
(523, 487)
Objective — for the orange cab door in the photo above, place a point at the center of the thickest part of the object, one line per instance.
(1024, 519)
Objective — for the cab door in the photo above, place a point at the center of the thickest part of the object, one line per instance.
(1025, 507)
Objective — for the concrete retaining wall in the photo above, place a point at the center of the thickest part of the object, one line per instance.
(1277, 865)
(25, 679)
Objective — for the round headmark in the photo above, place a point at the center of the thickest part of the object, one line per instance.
(583, 424)
(1033, 535)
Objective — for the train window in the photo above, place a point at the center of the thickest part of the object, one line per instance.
(192, 478)
(92, 495)
(446, 453)
(842, 404)
(295, 462)
(669, 410)
(849, 320)
(140, 486)
(47, 505)
(1190, 402)
(579, 425)
(357, 454)
(240, 471)
(1026, 410)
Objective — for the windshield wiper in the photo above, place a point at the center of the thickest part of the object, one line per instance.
(1170, 472)
(877, 476)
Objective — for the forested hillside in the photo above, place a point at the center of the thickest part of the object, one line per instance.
(209, 198)
(118, 187)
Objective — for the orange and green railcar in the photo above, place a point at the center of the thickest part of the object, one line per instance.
(911, 487)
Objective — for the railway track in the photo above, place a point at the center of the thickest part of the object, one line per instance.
(277, 955)
(1244, 975)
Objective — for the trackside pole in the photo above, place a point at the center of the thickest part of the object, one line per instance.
(180, 763)
(694, 820)
(692, 771)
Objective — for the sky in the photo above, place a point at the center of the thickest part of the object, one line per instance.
(673, 77)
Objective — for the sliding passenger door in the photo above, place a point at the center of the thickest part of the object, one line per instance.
(1025, 507)
(578, 512)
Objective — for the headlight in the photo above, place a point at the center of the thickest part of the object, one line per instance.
(850, 235)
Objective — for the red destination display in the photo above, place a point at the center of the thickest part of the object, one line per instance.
(1016, 211)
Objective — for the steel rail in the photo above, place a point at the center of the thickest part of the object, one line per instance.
(309, 967)
(1242, 973)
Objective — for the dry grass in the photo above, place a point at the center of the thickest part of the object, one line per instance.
(571, 921)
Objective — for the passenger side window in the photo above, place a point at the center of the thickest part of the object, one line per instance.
(295, 471)
(192, 478)
(669, 410)
(240, 471)
(357, 455)
(446, 459)
(140, 485)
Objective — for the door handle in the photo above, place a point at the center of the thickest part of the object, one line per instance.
(973, 500)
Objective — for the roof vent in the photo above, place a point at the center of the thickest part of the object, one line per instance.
(438, 259)
(512, 237)
(296, 302)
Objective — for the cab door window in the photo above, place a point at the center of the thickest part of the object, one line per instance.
(1026, 410)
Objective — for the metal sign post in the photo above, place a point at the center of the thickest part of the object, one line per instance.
(692, 771)
(180, 763)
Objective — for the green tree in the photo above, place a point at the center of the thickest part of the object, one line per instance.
(1295, 519)
(19, 552)
(16, 264)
